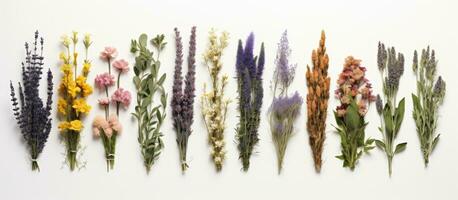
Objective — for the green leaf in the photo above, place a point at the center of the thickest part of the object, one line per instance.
(352, 118)
(340, 157)
(399, 115)
(388, 119)
(137, 82)
(380, 144)
(143, 40)
(400, 147)
(416, 102)
(162, 79)
(435, 141)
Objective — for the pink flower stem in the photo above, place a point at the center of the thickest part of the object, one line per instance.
(107, 107)
(109, 66)
(117, 84)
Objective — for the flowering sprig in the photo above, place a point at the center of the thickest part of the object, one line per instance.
(214, 104)
(31, 113)
(318, 82)
(430, 95)
(109, 127)
(355, 94)
(149, 84)
(73, 91)
(249, 69)
(284, 109)
(391, 67)
(183, 100)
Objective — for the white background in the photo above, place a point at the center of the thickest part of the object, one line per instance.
(352, 27)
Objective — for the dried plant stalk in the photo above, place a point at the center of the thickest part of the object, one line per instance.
(318, 83)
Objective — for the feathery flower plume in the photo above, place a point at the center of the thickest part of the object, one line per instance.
(213, 103)
(249, 71)
(31, 112)
(430, 95)
(183, 101)
(284, 110)
(318, 83)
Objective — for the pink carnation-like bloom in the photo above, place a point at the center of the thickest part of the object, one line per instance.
(121, 65)
(121, 96)
(104, 101)
(98, 123)
(114, 124)
(108, 53)
(104, 80)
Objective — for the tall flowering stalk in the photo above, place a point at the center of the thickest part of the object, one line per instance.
(183, 100)
(73, 91)
(355, 94)
(148, 82)
(430, 95)
(31, 113)
(391, 67)
(249, 69)
(318, 82)
(284, 109)
(108, 127)
(214, 104)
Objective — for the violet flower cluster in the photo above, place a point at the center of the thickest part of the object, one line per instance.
(183, 100)
(31, 113)
(284, 109)
(249, 78)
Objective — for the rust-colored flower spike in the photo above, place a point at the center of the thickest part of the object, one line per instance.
(317, 100)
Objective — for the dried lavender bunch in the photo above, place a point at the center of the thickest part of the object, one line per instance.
(249, 81)
(430, 95)
(391, 67)
(149, 84)
(284, 110)
(318, 83)
(354, 92)
(31, 113)
(214, 104)
(183, 101)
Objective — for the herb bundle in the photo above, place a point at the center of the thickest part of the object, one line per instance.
(318, 83)
(284, 109)
(249, 80)
(430, 95)
(355, 94)
(73, 91)
(149, 85)
(31, 113)
(109, 127)
(183, 100)
(214, 105)
(391, 67)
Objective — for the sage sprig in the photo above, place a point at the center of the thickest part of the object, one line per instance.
(391, 67)
(355, 94)
(430, 95)
(148, 82)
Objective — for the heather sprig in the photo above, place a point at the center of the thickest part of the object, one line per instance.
(31, 112)
(355, 94)
(284, 109)
(148, 82)
(108, 127)
(213, 103)
(391, 67)
(430, 95)
(73, 91)
(318, 82)
(183, 100)
(249, 69)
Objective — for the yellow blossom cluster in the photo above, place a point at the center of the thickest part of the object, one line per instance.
(73, 88)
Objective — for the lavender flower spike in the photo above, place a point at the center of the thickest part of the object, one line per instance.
(31, 113)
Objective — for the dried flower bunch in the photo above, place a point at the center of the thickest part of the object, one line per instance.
(249, 69)
(149, 82)
(183, 100)
(430, 95)
(391, 67)
(31, 113)
(108, 127)
(214, 104)
(73, 91)
(284, 109)
(355, 94)
(318, 82)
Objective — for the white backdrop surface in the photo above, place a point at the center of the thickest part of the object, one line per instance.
(353, 27)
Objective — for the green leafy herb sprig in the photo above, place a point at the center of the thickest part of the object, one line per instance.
(391, 67)
(149, 85)
(430, 95)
